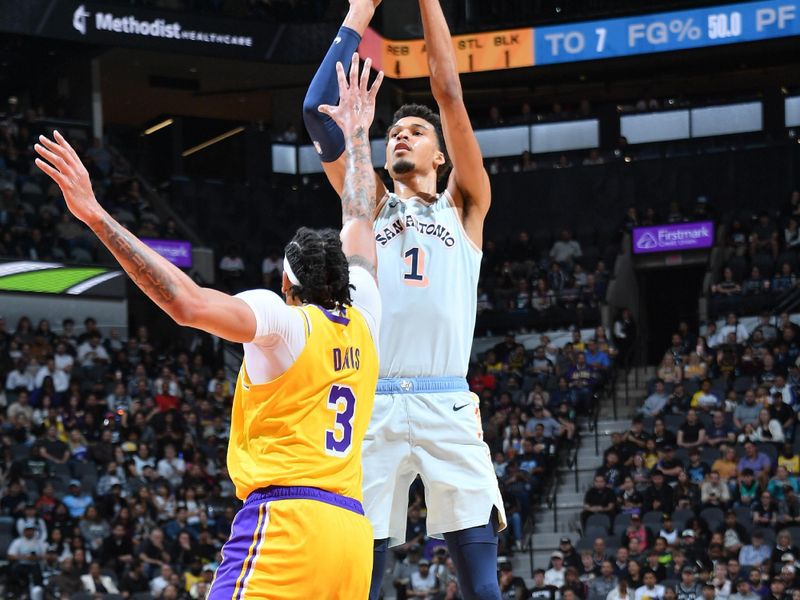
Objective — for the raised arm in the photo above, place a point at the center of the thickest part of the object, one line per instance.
(181, 298)
(354, 115)
(469, 182)
(326, 135)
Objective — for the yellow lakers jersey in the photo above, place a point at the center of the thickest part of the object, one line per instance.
(305, 428)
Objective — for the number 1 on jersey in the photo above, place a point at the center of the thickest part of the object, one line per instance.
(415, 259)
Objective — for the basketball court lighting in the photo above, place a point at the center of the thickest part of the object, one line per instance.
(212, 141)
(158, 126)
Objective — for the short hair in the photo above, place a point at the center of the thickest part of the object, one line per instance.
(426, 114)
(317, 260)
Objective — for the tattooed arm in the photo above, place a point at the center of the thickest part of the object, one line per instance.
(165, 284)
(354, 115)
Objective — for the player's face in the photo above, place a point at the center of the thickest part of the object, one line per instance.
(413, 147)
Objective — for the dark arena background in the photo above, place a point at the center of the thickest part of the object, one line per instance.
(645, 169)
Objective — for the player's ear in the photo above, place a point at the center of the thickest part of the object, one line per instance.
(438, 159)
(286, 287)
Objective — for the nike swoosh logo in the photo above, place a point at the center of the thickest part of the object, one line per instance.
(457, 408)
(337, 40)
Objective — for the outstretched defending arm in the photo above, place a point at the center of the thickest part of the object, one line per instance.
(326, 135)
(469, 182)
(354, 115)
(166, 285)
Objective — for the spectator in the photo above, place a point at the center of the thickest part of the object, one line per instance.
(704, 399)
(768, 429)
(600, 587)
(764, 237)
(747, 412)
(555, 575)
(565, 250)
(727, 287)
(96, 583)
(734, 534)
(688, 588)
(76, 501)
(747, 489)
(656, 402)
(599, 499)
(714, 492)
(765, 512)
(756, 553)
(719, 432)
(744, 591)
(758, 462)
(423, 582)
(691, 434)
(621, 591)
(25, 553)
(650, 588)
(668, 371)
(542, 590)
(658, 496)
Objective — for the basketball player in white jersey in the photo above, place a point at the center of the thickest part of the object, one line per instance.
(425, 421)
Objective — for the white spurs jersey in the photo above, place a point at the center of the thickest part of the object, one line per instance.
(428, 277)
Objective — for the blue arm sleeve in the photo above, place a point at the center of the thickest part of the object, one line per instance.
(324, 89)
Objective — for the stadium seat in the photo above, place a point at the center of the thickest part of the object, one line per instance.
(795, 533)
(712, 514)
(738, 265)
(621, 523)
(742, 383)
(6, 524)
(683, 515)
(709, 455)
(652, 517)
(670, 583)
(769, 535)
(673, 422)
(743, 514)
(788, 256)
(599, 521)
(592, 533)
(765, 264)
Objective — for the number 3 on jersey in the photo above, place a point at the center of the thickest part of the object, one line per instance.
(339, 439)
(415, 260)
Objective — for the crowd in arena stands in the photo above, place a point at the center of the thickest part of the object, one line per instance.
(112, 463)
(762, 260)
(700, 497)
(34, 223)
(112, 457)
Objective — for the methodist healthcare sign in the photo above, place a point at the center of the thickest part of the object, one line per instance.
(673, 237)
(179, 253)
(121, 24)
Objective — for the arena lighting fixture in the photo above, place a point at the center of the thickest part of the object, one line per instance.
(158, 126)
(212, 141)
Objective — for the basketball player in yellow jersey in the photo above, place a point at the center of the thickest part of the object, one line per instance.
(305, 390)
